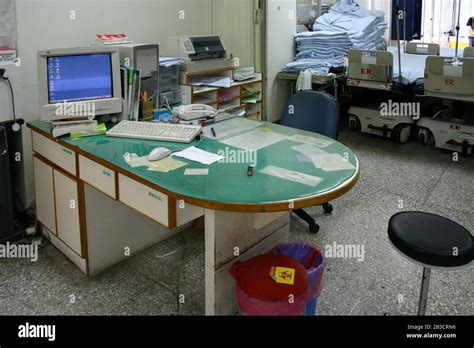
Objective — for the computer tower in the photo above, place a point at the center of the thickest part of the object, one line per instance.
(144, 57)
(413, 19)
(11, 174)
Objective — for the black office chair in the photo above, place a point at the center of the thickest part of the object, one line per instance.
(316, 112)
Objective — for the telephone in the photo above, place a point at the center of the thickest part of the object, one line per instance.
(194, 111)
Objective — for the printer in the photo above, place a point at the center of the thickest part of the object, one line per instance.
(200, 53)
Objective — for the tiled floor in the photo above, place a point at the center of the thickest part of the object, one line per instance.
(392, 175)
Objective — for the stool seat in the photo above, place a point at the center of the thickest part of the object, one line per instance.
(431, 239)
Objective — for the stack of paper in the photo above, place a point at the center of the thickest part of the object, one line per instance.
(242, 74)
(211, 81)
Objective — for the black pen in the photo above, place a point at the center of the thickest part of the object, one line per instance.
(213, 132)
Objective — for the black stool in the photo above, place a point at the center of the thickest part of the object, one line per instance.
(433, 242)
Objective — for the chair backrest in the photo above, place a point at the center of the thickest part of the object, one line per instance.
(316, 112)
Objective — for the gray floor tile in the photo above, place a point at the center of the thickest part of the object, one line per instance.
(162, 262)
(110, 289)
(155, 300)
(190, 308)
(10, 304)
(455, 189)
(39, 282)
(192, 271)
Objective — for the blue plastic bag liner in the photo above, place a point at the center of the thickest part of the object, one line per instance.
(311, 258)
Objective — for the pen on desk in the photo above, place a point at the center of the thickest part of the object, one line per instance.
(213, 132)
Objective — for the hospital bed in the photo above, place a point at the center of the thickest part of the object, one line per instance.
(374, 70)
(451, 80)
(427, 71)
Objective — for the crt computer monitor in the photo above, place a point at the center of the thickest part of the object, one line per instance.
(79, 82)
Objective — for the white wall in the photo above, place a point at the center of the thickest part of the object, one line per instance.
(280, 49)
(46, 24)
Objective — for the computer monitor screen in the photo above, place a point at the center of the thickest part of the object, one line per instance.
(73, 78)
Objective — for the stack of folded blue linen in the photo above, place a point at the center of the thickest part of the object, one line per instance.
(366, 29)
(319, 51)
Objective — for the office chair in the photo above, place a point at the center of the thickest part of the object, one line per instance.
(316, 112)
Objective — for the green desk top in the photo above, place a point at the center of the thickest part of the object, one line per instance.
(227, 187)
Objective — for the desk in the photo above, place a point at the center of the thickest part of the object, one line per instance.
(99, 211)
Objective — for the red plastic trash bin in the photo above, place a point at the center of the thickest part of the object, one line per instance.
(271, 284)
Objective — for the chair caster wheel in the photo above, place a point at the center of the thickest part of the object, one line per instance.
(314, 228)
(328, 208)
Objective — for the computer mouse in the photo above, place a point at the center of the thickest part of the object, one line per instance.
(158, 154)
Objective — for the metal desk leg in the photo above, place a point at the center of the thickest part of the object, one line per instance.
(425, 284)
(235, 236)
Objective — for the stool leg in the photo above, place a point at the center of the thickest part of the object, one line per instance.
(425, 284)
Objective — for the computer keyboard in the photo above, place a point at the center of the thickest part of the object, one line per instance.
(155, 131)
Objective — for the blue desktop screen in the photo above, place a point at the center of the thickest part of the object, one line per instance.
(79, 78)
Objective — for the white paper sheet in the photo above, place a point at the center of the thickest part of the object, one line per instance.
(308, 149)
(290, 175)
(322, 143)
(166, 165)
(331, 162)
(197, 155)
(230, 128)
(303, 158)
(254, 140)
(211, 81)
(197, 172)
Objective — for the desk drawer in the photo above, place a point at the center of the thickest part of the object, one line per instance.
(59, 155)
(97, 176)
(143, 199)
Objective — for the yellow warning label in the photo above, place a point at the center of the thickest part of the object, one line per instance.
(283, 275)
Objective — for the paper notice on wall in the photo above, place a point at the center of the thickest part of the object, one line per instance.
(293, 176)
(331, 162)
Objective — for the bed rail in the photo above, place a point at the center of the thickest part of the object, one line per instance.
(370, 69)
(450, 79)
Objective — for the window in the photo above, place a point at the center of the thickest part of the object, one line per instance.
(441, 16)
